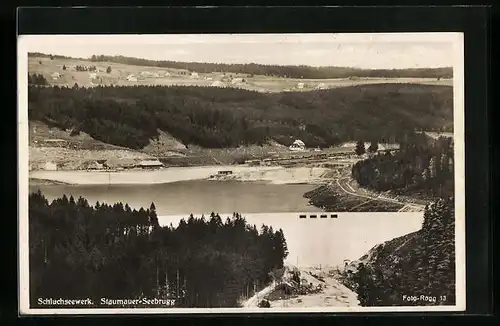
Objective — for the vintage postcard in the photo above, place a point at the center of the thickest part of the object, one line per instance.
(241, 173)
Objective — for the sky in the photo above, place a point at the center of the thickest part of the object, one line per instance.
(367, 50)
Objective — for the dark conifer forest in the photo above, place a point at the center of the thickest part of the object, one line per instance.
(418, 264)
(37, 79)
(227, 117)
(112, 251)
(421, 165)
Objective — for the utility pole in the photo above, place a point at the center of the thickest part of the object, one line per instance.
(257, 293)
(177, 284)
(166, 280)
(157, 278)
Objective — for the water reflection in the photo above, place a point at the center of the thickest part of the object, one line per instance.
(195, 197)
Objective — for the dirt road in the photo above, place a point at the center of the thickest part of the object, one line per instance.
(333, 293)
(345, 186)
(253, 301)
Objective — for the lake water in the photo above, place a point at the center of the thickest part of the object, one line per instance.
(195, 196)
(327, 242)
(311, 242)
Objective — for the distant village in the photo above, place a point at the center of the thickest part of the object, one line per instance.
(101, 75)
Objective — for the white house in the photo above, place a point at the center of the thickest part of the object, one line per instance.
(194, 75)
(95, 166)
(56, 75)
(131, 78)
(300, 85)
(321, 86)
(150, 164)
(298, 145)
(388, 146)
(50, 166)
(237, 80)
(93, 75)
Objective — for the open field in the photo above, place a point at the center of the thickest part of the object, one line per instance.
(147, 75)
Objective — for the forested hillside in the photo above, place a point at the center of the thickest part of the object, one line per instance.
(422, 166)
(112, 251)
(225, 117)
(420, 264)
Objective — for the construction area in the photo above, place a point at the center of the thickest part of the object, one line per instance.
(304, 287)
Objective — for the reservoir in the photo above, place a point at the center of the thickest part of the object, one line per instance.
(311, 242)
(194, 196)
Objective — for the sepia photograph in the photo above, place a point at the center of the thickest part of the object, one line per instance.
(241, 172)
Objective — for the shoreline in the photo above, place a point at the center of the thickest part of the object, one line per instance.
(243, 173)
(45, 182)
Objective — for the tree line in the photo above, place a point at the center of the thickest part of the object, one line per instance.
(37, 79)
(420, 263)
(85, 68)
(302, 71)
(360, 148)
(112, 251)
(421, 165)
(49, 55)
(212, 117)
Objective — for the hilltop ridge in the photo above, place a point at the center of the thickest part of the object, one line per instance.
(223, 118)
(284, 71)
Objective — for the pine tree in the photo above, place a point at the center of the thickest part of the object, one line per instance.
(432, 168)
(373, 147)
(153, 218)
(360, 148)
(445, 168)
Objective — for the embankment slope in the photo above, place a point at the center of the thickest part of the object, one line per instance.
(418, 264)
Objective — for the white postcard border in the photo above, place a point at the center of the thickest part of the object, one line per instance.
(459, 141)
